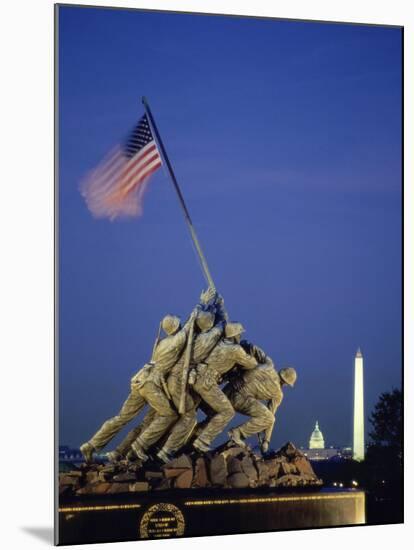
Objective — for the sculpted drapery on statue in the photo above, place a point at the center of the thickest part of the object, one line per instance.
(201, 365)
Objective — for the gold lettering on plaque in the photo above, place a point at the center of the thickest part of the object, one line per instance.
(162, 521)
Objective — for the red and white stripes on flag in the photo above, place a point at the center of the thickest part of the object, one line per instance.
(116, 187)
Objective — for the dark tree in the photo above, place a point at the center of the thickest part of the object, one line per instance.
(386, 420)
(383, 470)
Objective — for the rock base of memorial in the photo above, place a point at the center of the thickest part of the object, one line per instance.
(227, 467)
(230, 490)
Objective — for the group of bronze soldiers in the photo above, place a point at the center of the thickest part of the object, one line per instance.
(201, 365)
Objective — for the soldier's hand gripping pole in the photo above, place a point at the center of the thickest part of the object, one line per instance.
(186, 365)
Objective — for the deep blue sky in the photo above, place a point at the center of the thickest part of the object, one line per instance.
(286, 139)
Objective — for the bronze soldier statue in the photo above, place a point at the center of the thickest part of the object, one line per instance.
(248, 392)
(146, 386)
(156, 425)
(209, 347)
(210, 322)
(208, 377)
(211, 325)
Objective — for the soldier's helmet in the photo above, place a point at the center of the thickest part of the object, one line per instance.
(205, 320)
(170, 324)
(233, 329)
(288, 376)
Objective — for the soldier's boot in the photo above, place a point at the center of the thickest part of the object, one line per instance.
(87, 449)
(131, 455)
(139, 451)
(164, 456)
(235, 436)
(113, 456)
(200, 446)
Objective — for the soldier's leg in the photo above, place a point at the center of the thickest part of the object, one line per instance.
(124, 447)
(132, 406)
(209, 413)
(164, 417)
(223, 409)
(260, 417)
(182, 429)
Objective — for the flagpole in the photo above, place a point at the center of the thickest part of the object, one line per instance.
(180, 195)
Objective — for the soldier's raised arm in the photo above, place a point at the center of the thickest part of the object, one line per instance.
(245, 360)
(209, 335)
(205, 297)
(221, 312)
(180, 337)
(190, 320)
(256, 352)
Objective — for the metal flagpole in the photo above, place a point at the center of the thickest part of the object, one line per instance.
(180, 195)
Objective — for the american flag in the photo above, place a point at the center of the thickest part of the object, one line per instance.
(117, 185)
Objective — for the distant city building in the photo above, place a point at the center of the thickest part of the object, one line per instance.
(346, 452)
(321, 454)
(317, 450)
(316, 440)
(359, 444)
(67, 454)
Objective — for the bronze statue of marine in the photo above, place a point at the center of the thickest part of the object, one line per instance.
(200, 365)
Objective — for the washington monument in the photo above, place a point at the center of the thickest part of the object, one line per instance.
(359, 445)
